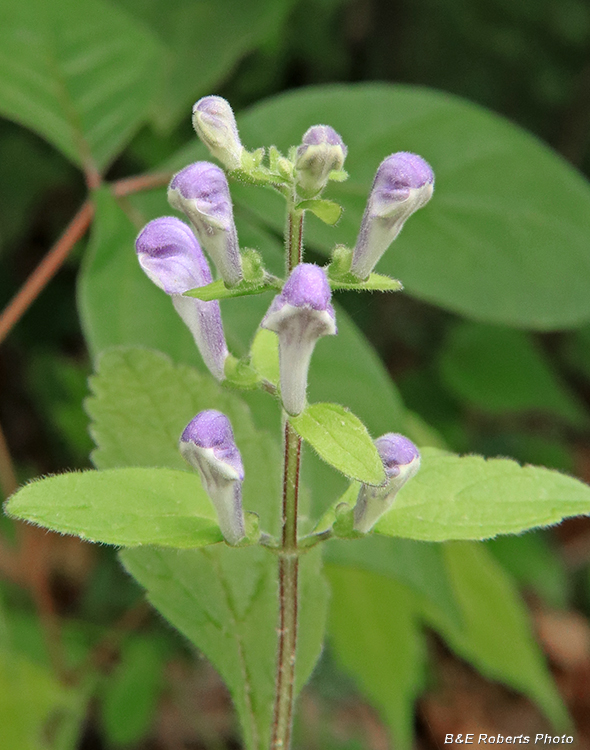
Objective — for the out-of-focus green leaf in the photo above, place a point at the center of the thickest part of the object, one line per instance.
(467, 497)
(204, 41)
(374, 636)
(82, 75)
(225, 602)
(141, 404)
(126, 506)
(501, 370)
(496, 634)
(504, 204)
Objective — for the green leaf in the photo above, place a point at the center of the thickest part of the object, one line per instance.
(205, 40)
(417, 565)
(501, 370)
(225, 602)
(469, 497)
(328, 211)
(373, 632)
(375, 283)
(496, 635)
(142, 403)
(218, 290)
(341, 440)
(81, 75)
(265, 355)
(131, 692)
(127, 507)
(486, 244)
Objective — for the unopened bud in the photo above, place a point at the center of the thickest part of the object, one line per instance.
(170, 255)
(300, 315)
(215, 124)
(208, 445)
(403, 183)
(322, 151)
(201, 192)
(401, 461)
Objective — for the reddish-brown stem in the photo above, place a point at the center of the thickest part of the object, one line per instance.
(45, 271)
(141, 182)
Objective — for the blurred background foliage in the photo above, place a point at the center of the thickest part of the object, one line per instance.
(487, 388)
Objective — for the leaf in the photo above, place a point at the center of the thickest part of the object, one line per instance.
(127, 507)
(328, 211)
(341, 440)
(141, 405)
(131, 692)
(81, 75)
(504, 207)
(204, 41)
(469, 497)
(265, 355)
(218, 290)
(417, 565)
(375, 283)
(225, 602)
(501, 370)
(496, 635)
(373, 632)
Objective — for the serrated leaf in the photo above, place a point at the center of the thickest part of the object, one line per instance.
(126, 507)
(218, 290)
(375, 283)
(141, 404)
(328, 211)
(341, 440)
(501, 370)
(373, 632)
(80, 75)
(225, 602)
(484, 246)
(131, 692)
(496, 634)
(469, 497)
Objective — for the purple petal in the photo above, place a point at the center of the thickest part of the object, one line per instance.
(396, 450)
(206, 184)
(319, 134)
(212, 429)
(307, 286)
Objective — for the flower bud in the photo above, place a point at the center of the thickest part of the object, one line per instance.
(170, 255)
(215, 124)
(202, 193)
(300, 315)
(322, 151)
(208, 445)
(403, 183)
(401, 461)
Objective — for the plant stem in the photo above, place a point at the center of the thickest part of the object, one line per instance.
(288, 574)
(294, 238)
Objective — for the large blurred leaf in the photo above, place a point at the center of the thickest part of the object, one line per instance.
(141, 404)
(496, 634)
(225, 601)
(468, 497)
(504, 205)
(82, 75)
(373, 632)
(204, 40)
(501, 370)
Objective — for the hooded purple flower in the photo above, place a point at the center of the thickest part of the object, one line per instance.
(401, 461)
(403, 183)
(208, 445)
(300, 315)
(215, 124)
(322, 151)
(170, 255)
(201, 192)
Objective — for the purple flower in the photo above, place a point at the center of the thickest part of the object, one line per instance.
(322, 151)
(170, 255)
(300, 315)
(215, 124)
(403, 183)
(202, 193)
(401, 461)
(208, 445)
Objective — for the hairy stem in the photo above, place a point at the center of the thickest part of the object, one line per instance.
(294, 238)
